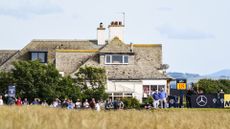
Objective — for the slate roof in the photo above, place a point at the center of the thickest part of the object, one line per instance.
(50, 46)
(116, 46)
(148, 57)
(146, 63)
(6, 54)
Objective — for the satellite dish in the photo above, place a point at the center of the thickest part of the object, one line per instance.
(164, 66)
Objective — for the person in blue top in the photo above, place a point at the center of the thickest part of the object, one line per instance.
(162, 98)
(155, 96)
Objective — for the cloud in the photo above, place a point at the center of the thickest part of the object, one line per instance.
(27, 8)
(183, 33)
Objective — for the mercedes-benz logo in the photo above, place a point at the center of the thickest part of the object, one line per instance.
(201, 100)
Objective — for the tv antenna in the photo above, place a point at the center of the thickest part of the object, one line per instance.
(123, 17)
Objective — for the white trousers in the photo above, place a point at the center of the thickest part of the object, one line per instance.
(155, 104)
(163, 103)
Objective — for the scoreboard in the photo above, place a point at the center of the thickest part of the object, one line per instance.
(181, 84)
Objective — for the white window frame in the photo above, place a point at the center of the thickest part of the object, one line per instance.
(111, 59)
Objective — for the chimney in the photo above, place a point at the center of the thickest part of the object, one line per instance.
(116, 29)
(101, 34)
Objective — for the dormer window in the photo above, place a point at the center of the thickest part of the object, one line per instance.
(116, 59)
(41, 56)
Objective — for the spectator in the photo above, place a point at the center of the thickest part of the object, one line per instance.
(109, 104)
(65, 103)
(147, 106)
(116, 104)
(188, 98)
(44, 103)
(70, 104)
(19, 102)
(221, 91)
(155, 99)
(78, 104)
(121, 104)
(55, 103)
(35, 102)
(11, 100)
(1, 101)
(92, 103)
(86, 104)
(97, 106)
(25, 102)
(162, 98)
(102, 104)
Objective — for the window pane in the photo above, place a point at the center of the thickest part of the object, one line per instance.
(160, 87)
(107, 59)
(34, 56)
(126, 59)
(41, 57)
(116, 59)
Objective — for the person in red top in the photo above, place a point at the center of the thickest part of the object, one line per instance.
(19, 101)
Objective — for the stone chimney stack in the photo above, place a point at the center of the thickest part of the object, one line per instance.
(116, 29)
(101, 34)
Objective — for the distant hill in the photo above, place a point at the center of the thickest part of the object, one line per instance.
(183, 75)
(221, 73)
(193, 78)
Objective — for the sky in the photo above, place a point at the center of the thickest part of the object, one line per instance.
(194, 33)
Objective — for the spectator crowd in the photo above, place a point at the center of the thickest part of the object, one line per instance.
(68, 103)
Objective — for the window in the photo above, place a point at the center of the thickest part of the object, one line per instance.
(41, 56)
(116, 59)
(126, 59)
(108, 59)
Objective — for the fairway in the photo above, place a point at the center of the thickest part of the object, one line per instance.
(37, 117)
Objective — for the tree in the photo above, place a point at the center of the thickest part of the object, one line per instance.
(36, 80)
(92, 81)
(213, 86)
(67, 89)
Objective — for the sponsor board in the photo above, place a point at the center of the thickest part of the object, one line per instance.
(207, 101)
(227, 100)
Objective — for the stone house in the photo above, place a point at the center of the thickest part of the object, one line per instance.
(133, 70)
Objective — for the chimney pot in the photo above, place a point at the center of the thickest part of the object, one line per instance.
(116, 23)
(101, 25)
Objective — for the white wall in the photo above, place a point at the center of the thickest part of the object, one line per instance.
(126, 86)
(116, 31)
(132, 86)
(154, 82)
(101, 37)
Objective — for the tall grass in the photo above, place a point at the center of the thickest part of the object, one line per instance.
(36, 117)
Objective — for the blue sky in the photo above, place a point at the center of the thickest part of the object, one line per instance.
(194, 33)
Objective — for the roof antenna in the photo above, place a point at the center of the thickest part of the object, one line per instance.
(123, 13)
(123, 17)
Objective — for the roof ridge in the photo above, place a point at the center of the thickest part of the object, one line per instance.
(36, 40)
(8, 50)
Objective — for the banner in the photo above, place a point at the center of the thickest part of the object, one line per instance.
(11, 91)
(227, 100)
(207, 101)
